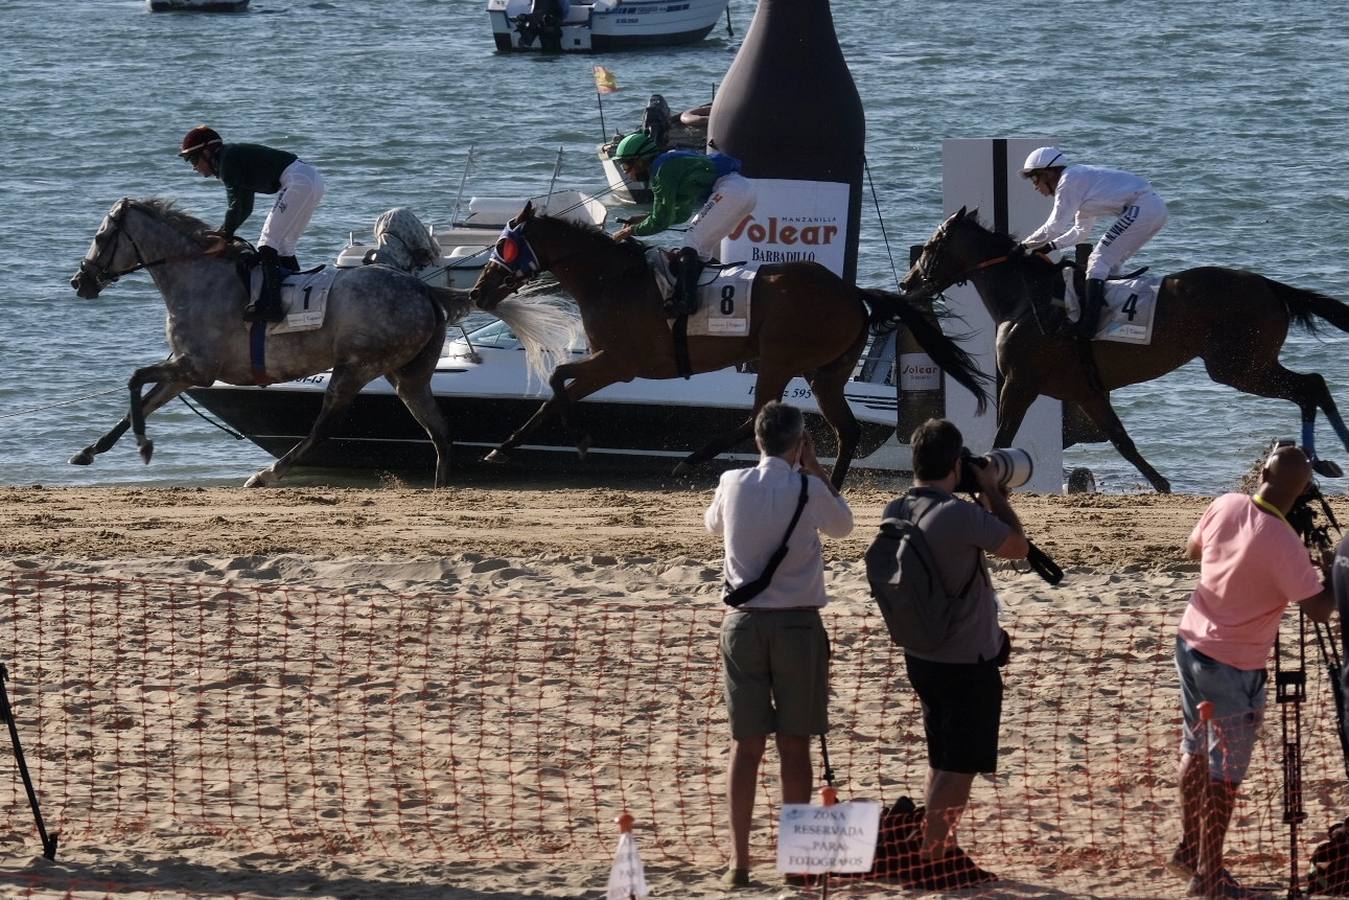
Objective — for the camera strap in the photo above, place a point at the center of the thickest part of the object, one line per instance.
(1270, 508)
(734, 597)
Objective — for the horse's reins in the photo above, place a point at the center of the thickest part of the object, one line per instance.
(106, 276)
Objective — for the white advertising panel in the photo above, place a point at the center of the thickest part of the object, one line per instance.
(792, 221)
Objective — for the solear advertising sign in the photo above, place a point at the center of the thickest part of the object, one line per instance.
(836, 838)
(793, 221)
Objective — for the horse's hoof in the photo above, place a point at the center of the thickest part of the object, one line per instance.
(260, 479)
(496, 456)
(1328, 468)
(83, 458)
(147, 450)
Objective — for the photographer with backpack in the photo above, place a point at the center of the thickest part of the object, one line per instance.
(940, 605)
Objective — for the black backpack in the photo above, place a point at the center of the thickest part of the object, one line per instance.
(906, 583)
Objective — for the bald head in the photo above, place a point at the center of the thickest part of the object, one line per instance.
(1285, 476)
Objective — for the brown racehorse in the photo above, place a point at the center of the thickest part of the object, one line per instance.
(1234, 321)
(805, 321)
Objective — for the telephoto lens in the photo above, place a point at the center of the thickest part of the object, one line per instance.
(1012, 467)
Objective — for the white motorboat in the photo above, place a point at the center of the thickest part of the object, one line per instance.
(483, 386)
(686, 130)
(468, 238)
(197, 5)
(583, 25)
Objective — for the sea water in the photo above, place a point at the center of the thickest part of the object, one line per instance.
(1237, 112)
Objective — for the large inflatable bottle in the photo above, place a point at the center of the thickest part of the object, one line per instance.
(789, 111)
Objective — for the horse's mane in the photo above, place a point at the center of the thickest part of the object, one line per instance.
(167, 211)
(186, 224)
(596, 235)
(972, 218)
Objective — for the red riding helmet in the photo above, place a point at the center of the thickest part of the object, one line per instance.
(198, 139)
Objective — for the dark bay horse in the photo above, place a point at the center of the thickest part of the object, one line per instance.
(1235, 321)
(379, 321)
(805, 320)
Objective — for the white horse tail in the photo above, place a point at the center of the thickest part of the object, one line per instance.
(547, 329)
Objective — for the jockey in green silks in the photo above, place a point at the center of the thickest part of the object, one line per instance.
(706, 190)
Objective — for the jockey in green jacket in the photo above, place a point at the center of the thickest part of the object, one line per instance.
(248, 169)
(707, 190)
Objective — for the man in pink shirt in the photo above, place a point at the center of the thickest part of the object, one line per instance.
(1252, 565)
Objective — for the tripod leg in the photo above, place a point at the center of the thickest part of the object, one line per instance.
(6, 713)
(1290, 689)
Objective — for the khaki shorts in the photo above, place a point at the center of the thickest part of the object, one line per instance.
(776, 667)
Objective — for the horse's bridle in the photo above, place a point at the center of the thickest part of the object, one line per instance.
(513, 253)
(929, 287)
(101, 274)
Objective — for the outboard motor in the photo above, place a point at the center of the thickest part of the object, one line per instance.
(544, 22)
(656, 120)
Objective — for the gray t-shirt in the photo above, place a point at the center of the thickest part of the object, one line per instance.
(958, 532)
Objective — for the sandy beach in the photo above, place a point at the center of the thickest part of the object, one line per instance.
(405, 693)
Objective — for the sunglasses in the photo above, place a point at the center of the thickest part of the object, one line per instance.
(193, 157)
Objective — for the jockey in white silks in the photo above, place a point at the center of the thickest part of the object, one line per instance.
(1082, 194)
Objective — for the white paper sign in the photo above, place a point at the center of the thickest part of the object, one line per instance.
(627, 879)
(838, 838)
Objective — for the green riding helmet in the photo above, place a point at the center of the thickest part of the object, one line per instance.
(637, 145)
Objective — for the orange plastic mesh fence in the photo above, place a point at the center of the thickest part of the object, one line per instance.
(442, 727)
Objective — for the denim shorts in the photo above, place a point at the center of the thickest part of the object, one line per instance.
(1238, 698)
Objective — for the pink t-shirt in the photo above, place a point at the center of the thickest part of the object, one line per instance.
(1253, 565)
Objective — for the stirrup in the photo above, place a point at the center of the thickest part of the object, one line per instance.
(263, 311)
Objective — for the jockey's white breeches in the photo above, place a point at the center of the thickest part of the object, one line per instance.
(1136, 225)
(732, 199)
(302, 188)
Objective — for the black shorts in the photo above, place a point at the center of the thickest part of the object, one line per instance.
(962, 710)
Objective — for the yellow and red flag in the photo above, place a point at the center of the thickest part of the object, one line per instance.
(605, 82)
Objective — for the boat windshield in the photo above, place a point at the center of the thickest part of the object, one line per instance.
(494, 334)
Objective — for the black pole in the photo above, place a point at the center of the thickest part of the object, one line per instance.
(6, 713)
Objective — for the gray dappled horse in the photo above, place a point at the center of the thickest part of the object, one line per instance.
(1233, 320)
(379, 321)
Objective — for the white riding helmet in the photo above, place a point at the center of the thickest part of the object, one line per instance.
(1043, 158)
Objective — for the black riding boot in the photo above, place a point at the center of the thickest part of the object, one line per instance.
(687, 267)
(268, 305)
(1092, 303)
(290, 262)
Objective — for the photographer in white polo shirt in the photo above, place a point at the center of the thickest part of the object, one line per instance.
(774, 646)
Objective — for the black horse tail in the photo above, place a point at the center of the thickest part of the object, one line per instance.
(945, 352)
(1306, 306)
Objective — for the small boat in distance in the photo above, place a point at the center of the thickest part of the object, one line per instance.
(585, 25)
(197, 5)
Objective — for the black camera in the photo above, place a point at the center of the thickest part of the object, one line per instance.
(1012, 467)
(1303, 516)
